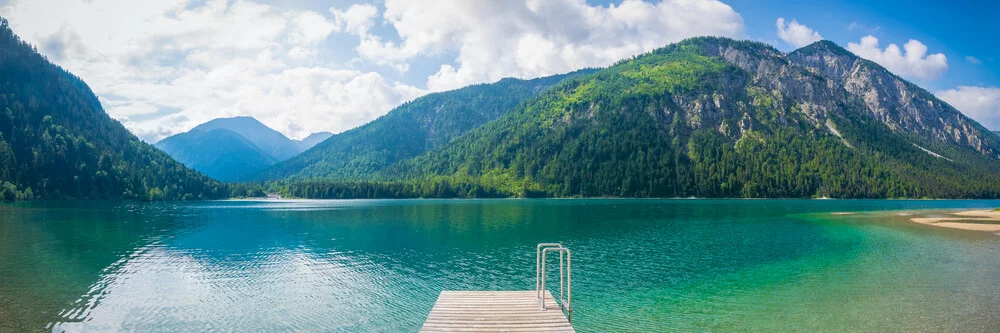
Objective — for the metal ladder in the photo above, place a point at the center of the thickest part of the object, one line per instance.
(565, 277)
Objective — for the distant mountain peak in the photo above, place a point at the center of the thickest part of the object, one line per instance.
(316, 135)
(219, 153)
(233, 148)
(313, 139)
(270, 141)
(233, 123)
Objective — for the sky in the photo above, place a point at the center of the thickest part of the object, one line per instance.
(162, 67)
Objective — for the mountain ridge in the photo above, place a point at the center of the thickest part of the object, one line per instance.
(313, 140)
(410, 129)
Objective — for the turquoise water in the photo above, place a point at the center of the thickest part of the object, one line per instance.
(639, 265)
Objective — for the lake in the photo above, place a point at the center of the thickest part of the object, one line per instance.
(378, 265)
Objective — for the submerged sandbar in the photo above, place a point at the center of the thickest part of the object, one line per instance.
(977, 220)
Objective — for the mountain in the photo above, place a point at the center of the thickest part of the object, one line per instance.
(713, 117)
(219, 153)
(56, 141)
(411, 129)
(313, 139)
(269, 141)
(232, 149)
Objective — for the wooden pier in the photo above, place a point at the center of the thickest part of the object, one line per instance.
(495, 311)
(510, 311)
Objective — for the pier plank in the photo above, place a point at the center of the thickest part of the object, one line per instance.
(495, 311)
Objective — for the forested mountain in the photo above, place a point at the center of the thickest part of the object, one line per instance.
(410, 130)
(231, 149)
(712, 117)
(57, 142)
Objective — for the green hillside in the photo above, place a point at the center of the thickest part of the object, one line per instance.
(56, 141)
(707, 117)
(409, 130)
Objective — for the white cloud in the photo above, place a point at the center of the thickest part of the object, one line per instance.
(162, 67)
(357, 19)
(795, 34)
(973, 60)
(309, 28)
(913, 61)
(529, 38)
(979, 103)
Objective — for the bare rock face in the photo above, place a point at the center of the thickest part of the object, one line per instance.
(902, 106)
(823, 79)
(818, 82)
(788, 85)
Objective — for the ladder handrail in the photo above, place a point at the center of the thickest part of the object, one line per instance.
(538, 266)
(565, 300)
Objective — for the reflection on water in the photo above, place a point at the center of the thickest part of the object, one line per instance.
(640, 265)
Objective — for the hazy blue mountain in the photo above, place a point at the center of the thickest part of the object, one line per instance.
(269, 141)
(231, 149)
(56, 141)
(219, 153)
(313, 139)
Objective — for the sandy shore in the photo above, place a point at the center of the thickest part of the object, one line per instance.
(979, 220)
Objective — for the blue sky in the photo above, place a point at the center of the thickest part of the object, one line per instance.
(954, 28)
(300, 66)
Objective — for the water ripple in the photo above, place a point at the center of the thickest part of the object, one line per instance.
(378, 266)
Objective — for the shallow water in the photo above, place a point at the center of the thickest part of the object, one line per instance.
(359, 265)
